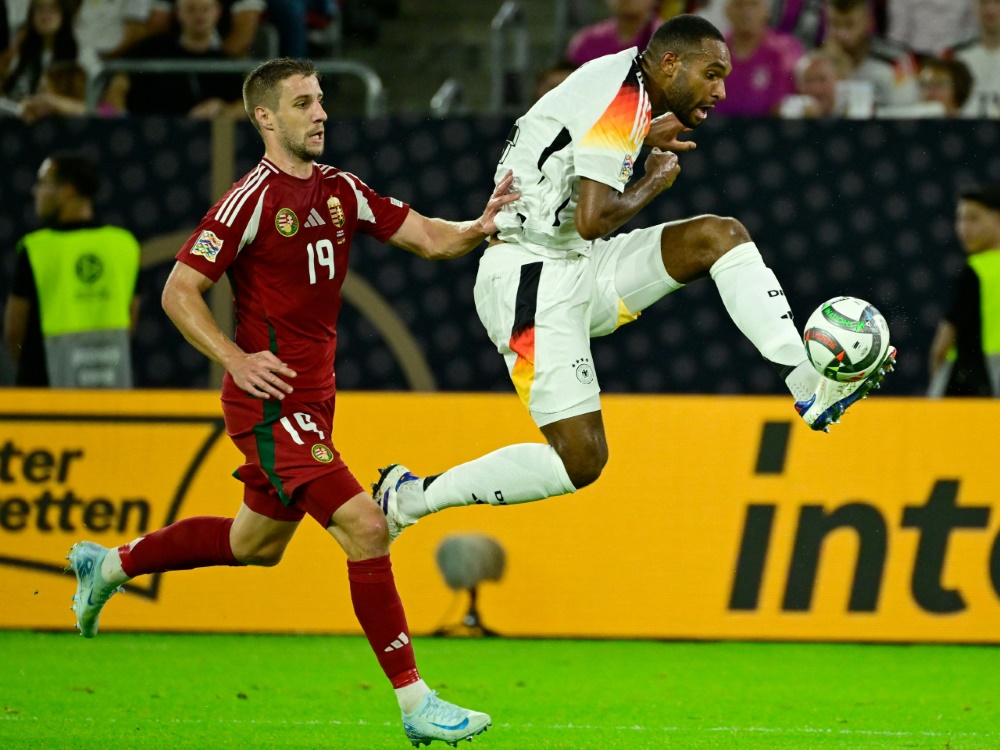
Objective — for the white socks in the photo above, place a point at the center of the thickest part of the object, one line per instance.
(411, 696)
(515, 474)
(756, 303)
(802, 381)
(111, 568)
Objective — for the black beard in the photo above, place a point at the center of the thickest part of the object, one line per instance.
(299, 150)
(681, 102)
(686, 119)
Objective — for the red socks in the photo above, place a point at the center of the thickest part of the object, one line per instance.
(192, 543)
(380, 612)
(204, 541)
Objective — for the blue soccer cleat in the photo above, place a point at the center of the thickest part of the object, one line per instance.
(832, 399)
(92, 591)
(436, 719)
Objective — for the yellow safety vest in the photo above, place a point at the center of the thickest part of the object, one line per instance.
(987, 268)
(85, 278)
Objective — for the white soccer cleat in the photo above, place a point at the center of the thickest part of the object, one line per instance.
(436, 719)
(832, 399)
(393, 480)
(92, 591)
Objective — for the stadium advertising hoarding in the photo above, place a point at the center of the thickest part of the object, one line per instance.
(717, 517)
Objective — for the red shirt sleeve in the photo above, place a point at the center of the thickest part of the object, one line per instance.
(378, 216)
(227, 227)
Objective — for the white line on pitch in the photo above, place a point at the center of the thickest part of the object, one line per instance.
(582, 727)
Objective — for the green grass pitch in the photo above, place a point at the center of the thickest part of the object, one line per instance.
(230, 691)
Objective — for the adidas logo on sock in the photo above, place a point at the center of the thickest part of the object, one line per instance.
(314, 219)
(401, 640)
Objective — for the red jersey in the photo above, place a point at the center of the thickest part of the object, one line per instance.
(284, 242)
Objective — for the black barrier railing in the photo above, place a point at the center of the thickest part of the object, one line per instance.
(375, 100)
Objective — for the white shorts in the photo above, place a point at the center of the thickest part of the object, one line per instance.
(541, 313)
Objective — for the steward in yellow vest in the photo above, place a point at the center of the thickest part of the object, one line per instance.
(72, 302)
(965, 355)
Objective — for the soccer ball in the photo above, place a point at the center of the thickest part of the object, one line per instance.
(846, 339)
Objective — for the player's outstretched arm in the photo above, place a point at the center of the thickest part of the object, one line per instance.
(259, 374)
(438, 239)
(663, 132)
(601, 209)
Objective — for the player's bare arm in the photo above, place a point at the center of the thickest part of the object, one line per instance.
(259, 374)
(944, 339)
(438, 239)
(663, 132)
(601, 209)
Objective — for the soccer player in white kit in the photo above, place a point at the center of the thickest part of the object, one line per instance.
(552, 278)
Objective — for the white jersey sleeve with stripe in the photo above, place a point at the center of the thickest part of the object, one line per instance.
(590, 126)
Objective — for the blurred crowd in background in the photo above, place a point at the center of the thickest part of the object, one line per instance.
(831, 58)
(791, 58)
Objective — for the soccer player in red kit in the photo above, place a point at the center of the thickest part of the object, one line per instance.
(283, 234)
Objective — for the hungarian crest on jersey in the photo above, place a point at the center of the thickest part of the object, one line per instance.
(336, 210)
(286, 222)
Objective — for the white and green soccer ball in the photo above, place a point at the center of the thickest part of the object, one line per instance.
(846, 339)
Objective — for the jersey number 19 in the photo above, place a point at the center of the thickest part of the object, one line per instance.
(320, 255)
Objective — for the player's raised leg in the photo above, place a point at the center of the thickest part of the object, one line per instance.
(361, 530)
(722, 248)
(511, 475)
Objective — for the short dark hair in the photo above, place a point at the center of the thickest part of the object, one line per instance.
(682, 34)
(958, 72)
(78, 170)
(986, 194)
(260, 87)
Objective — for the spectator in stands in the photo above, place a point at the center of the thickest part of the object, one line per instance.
(928, 26)
(631, 24)
(61, 92)
(946, 82)
(72, 303)
(965, 354)
(237, 26)
(802, 19)
(889, 69)
(48, 38)
(714, 11)
(202, 95)
(110, 27)
(982, 55)
(763, 61)
(294, 18)
(817, 75)
(944, 88)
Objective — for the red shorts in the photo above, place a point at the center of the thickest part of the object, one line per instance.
(292, 467)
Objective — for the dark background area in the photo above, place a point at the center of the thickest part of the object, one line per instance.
(864, 209)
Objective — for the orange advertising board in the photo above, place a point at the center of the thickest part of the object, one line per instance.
(716, 517)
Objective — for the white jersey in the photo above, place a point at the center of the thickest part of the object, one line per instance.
(984, 101)
(592, 125)
(891, 71)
